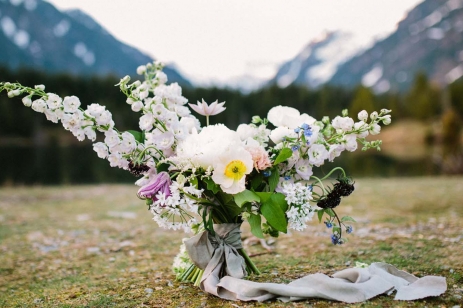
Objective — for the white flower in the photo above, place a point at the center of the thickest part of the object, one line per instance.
(40, 87)
(111, 138)
(278, 134)
(208, 110)
(104, 118)
(375, 129)
(191, 123)
(374, 116)
(362, 127)
(115, 159)
(137, 106)
(146, 122)
(90, 133)
(101, 149)
(79, 134)
(363, 115)
(304, 169)
(161, 77)
(27, 101)
(53, 101)
(39, 105)
(128, 143)
(231, 168)
(317, 154)
(51, 116)
(71, 104)
(72, 121)
(94, 110)
(288, 117)
(201, 149)
(141, 70)
(343, 123)
(350, 142)
(335, 151)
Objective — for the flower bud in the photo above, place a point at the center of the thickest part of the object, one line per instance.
(11, 94)
(345, 112)
(363, 115)
(385, 111)
(129, 100)
(374, 115)
(326, 120)
(386, 119)
(40, 87)
(141, 70)
(256, 119)
(27, 101)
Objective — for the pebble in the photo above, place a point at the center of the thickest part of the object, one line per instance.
(169, 283)
(149, 290)
(348, 263)
(112, 259)
(456, 306)
(93, 249)
(38, 301)
(457, 296)
(158, 288)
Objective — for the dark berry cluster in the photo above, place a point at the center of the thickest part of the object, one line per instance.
(343, 188)
(137, 169)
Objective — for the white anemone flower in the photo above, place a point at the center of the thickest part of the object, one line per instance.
(231, 168)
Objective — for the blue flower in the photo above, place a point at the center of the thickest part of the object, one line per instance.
(287, 178)
(297, 130)
(334, 239)
(307, 132)
(267, 173)
(305, 126)
(328, 224)
(349, 229)
(295, 147)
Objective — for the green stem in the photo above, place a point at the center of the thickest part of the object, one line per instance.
(249, 262)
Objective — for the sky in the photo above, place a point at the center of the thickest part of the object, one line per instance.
(212, 41)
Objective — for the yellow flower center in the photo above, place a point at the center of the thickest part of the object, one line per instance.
(235, 170)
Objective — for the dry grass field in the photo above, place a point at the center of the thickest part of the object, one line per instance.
(96, 246)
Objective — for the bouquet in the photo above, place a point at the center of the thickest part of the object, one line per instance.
(209, 180)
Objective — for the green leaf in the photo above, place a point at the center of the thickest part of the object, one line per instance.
(347, 218)
(255, 223)
(274, 212)
(273, 179)
(162, 167)
(256, 181)
(320, 215)
(330, 212)
(139, 136)
(211, 185)
(264, 196)
(194, 182)
(284, 154)
(232, 209)
(246, 196)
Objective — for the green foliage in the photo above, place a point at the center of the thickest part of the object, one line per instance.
(423, 99)
(363, 100)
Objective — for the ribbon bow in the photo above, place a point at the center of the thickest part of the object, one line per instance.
(217, 254)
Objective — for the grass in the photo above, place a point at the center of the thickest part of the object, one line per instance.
(96, 246)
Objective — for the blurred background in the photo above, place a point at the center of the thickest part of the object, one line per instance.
(317, 57)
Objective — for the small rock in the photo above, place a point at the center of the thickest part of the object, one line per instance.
(203, 304)
(131, 253)
(38, 301)
(133, 269)
(93, 249)
(457, 296)
(451, 270)
(348, 263)
(169, 283)
(456, 306)
(148, 290)
(158, 288)
(112, 259)
(361, 252)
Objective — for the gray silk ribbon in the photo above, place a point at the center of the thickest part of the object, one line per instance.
(224, 269)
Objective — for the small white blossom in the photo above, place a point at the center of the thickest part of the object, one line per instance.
(54, 101)
(71, 104)
(375, 129)
(363, 115)
(39, 105)
(137, 106)
(27, 101)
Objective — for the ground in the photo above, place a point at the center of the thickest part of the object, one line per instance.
(96, 246)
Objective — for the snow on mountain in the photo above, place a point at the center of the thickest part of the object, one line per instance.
(318, 61)
(34, 34)
(429, 40)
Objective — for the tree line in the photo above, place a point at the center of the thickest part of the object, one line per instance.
(29, 139)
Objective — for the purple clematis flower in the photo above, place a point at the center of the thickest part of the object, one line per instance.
(160, 183)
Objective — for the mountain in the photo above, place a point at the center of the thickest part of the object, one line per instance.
(429, 40)
(318, 61)
(34, 34)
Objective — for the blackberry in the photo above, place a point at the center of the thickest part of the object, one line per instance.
(137, 169)
(344, 188)
(330, 202)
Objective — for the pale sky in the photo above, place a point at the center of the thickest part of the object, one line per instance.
(216, 40)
